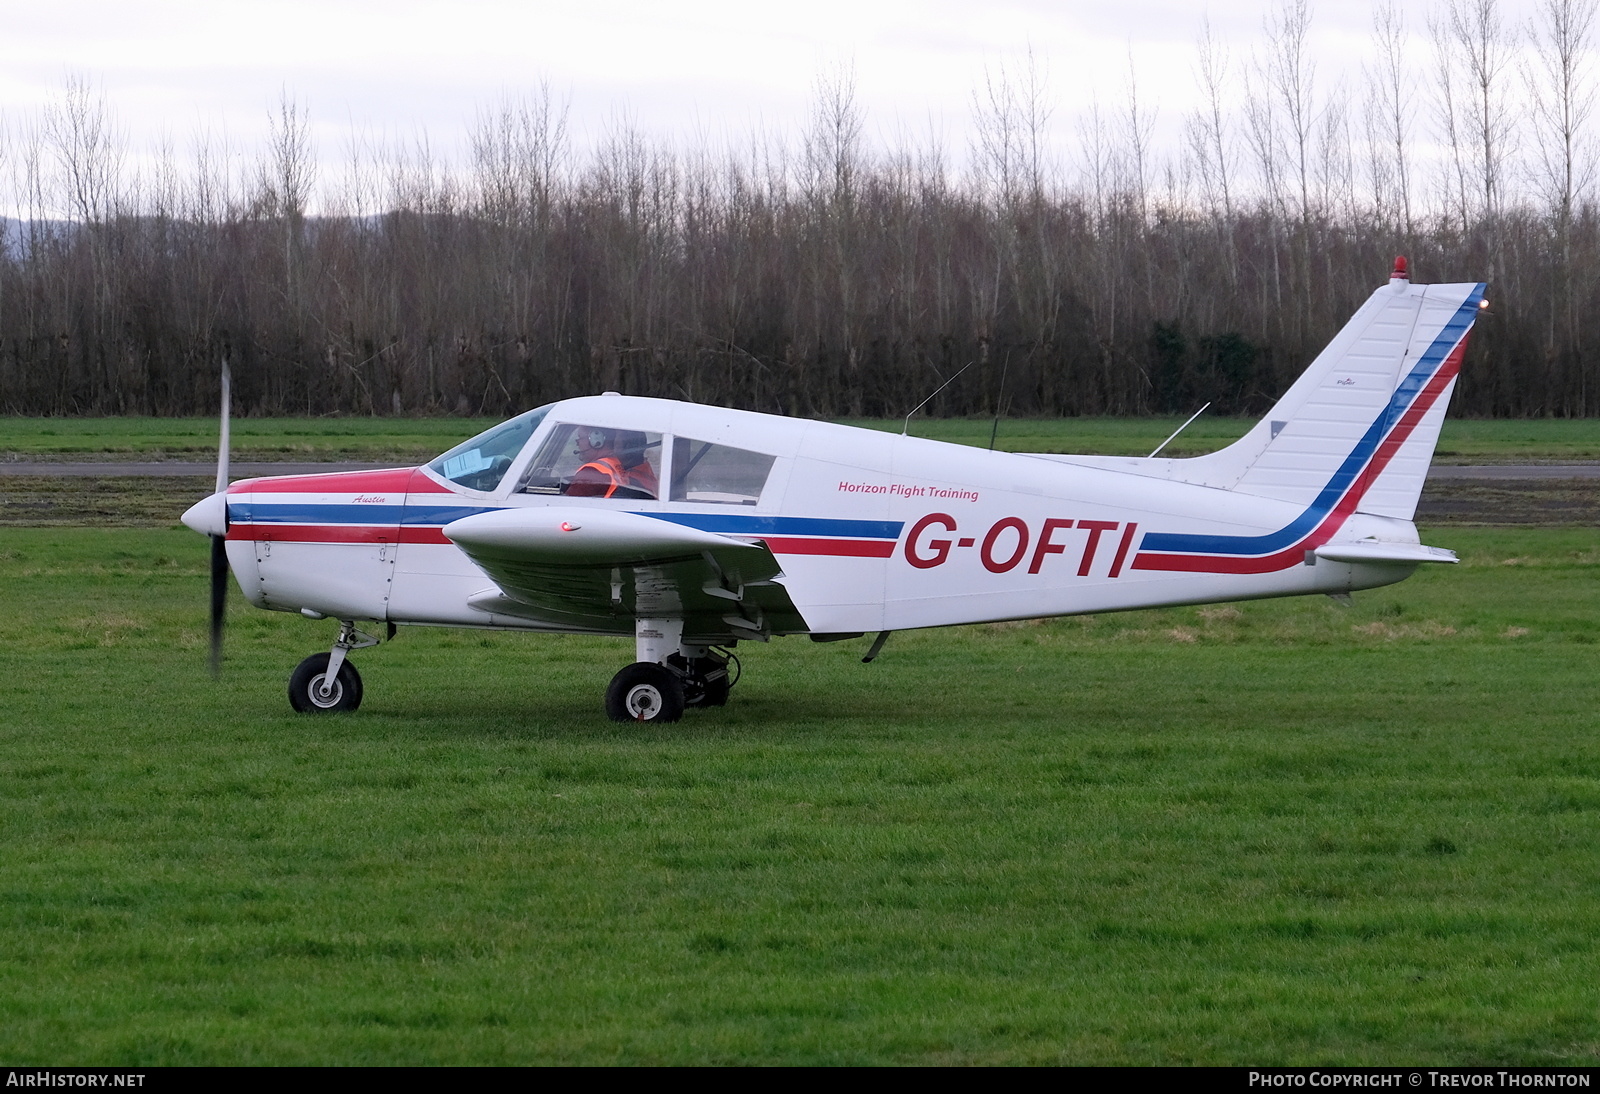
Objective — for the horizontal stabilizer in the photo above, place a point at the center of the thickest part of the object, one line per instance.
(1374, 551)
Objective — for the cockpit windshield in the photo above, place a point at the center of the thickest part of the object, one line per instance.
(480, 464)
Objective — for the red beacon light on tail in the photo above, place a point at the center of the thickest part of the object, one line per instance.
(1399, 273)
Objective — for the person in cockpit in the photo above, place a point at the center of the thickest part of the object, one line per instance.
(614, 465)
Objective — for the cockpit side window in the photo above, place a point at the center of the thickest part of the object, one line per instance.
(589, 461)
(480, 463)
(717, 473)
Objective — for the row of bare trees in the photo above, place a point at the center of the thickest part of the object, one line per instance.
(821, 275)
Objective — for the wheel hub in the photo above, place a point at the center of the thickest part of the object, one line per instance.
(643, 702)
(325, 692)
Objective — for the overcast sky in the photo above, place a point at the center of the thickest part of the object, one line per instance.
(713, 68)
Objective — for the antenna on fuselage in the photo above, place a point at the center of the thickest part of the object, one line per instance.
(1180, 429)
(1000, 400)
(907, 427)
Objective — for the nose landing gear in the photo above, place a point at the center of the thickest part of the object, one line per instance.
(326, 683)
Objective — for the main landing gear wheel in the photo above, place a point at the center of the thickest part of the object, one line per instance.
(645, 692)
(308, 695)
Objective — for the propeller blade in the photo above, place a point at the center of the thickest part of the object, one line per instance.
(222, 434)
(219, 548)
(219, 599)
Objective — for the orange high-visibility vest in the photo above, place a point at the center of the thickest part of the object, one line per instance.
(639, 477)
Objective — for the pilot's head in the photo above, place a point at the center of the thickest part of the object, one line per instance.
(595, 443)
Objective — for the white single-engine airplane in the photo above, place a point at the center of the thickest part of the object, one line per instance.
(692, 528)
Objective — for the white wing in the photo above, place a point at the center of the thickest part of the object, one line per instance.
(595, 569)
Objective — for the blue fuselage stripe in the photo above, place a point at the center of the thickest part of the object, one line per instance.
(742, 524)
(313, 513)
(739, 524)
(249, 512)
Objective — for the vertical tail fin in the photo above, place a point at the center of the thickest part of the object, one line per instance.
(1358, 429)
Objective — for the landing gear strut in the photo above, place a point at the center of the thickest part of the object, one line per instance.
(669, 676)
(326, 683)
(706, 680)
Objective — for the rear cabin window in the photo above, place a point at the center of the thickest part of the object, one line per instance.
(717, 473)
(590, 461)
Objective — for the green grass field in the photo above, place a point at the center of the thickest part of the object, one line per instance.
(413, 440)
(1276, 832)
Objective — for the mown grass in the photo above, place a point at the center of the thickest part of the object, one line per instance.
(413, 440)
(1270, 832)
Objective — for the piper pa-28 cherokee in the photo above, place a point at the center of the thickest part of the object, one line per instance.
(692, 528)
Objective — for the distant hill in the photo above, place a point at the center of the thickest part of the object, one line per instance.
(15, 236)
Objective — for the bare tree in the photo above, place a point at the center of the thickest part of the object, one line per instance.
(1335, 165)
(1012, 113)
(1265, 140)
(1454, 184)
(88, 149)
(519, 155)
(1097, 158)
(290, 167)
(1562, 91)
(833, 143)
(1209, 134)
(1138, 126)
(1290, 76)
(211, 192)
(284, 179)
(834, 163)
(1483, 45)
(1561, 87)
(1389, 112)
(1281, 122)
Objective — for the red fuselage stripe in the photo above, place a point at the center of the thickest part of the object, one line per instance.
(314, 533)
(807, 545)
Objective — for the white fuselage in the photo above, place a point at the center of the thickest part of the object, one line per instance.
(873, 531)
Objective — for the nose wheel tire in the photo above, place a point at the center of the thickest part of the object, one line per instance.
(644, 692)
(308, 695)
